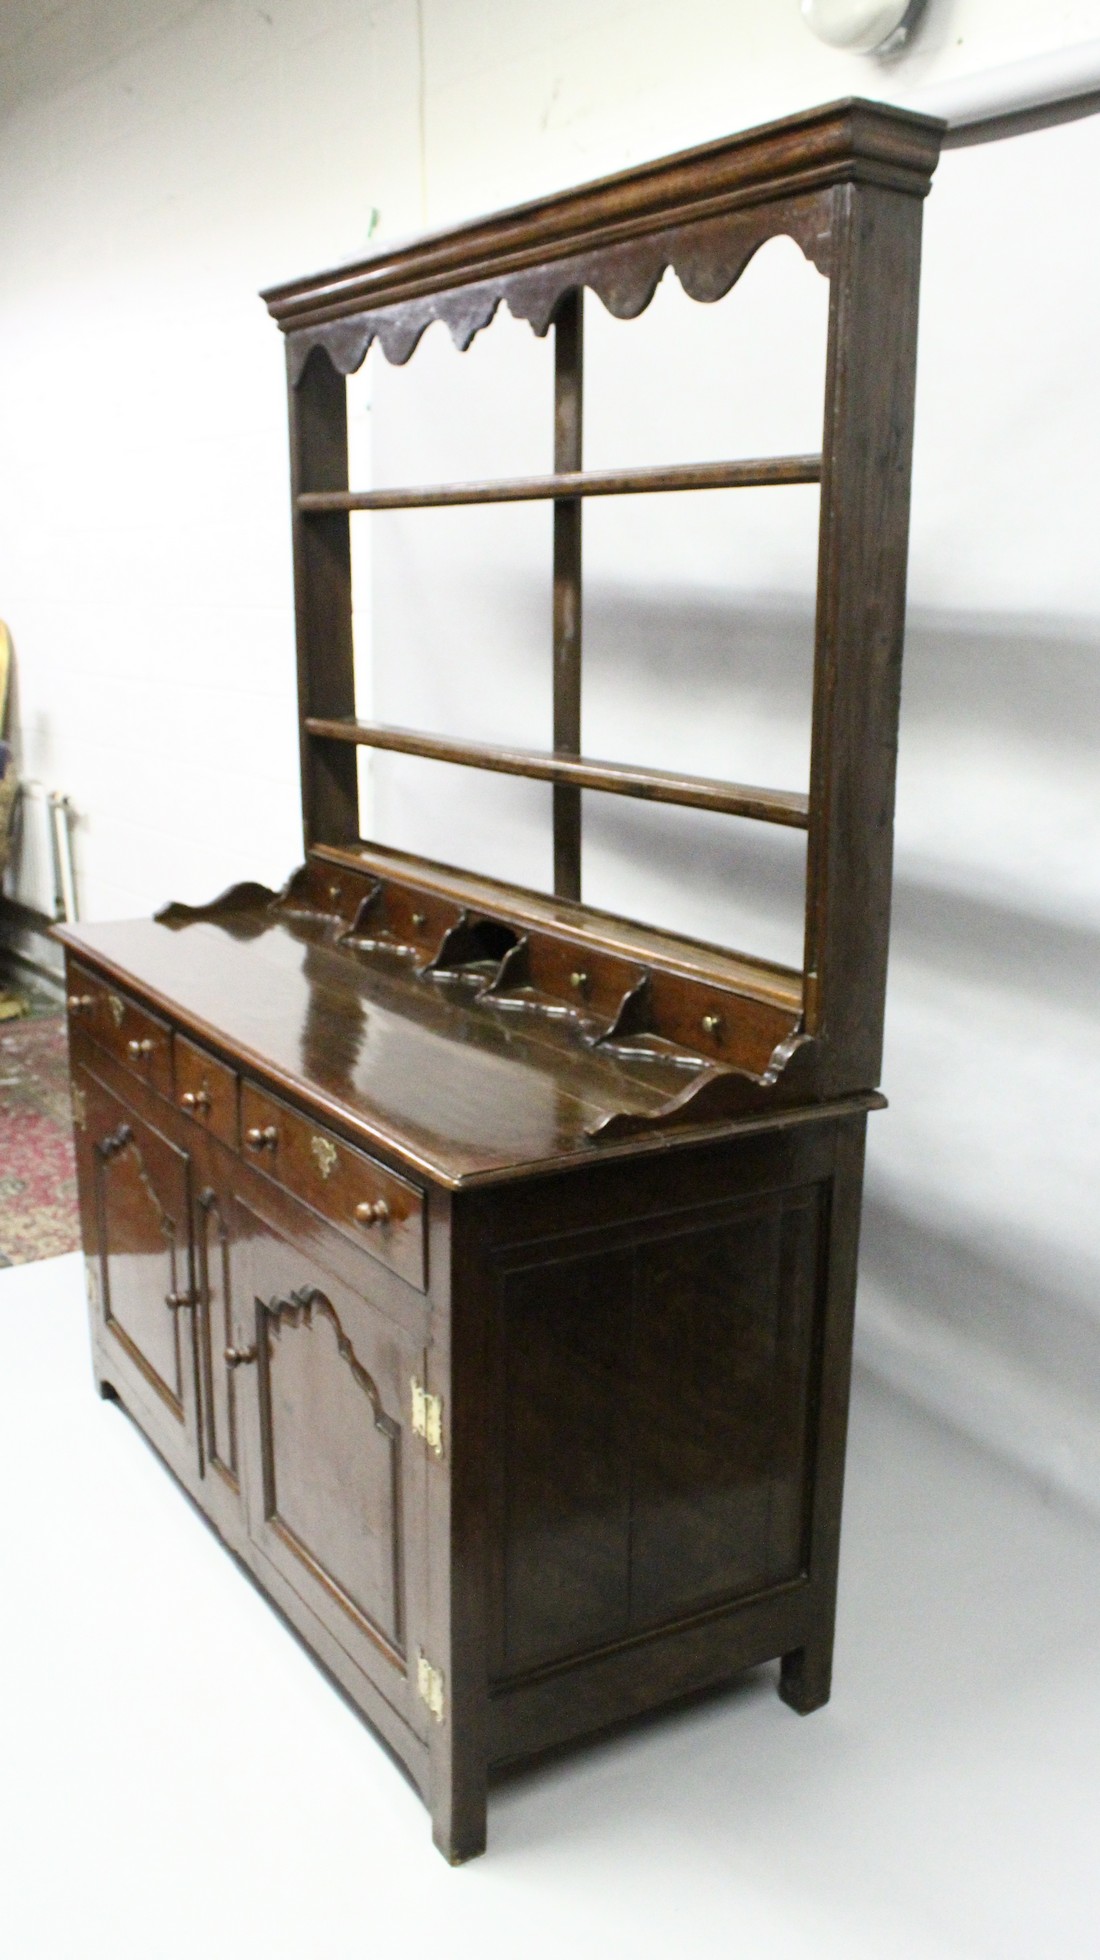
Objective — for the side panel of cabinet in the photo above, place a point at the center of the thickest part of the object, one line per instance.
(336, 1481)
(657, 1434)
(135, 1203)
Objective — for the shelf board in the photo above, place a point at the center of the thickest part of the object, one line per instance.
(786, 807)
(757, 474)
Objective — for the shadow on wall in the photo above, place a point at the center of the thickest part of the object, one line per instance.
(981, 1293)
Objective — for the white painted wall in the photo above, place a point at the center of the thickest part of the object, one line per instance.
(159, 163)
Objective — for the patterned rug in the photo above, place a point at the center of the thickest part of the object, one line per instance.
(38, 1209)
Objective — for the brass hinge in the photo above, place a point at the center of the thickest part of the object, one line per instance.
(427, 1417)
(429, 1686)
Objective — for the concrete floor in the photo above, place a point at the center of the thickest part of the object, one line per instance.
(178, 1778)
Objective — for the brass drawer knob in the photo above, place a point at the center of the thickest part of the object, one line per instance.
(81, 1003)
(140, 1049)
(175, 1300)
(369, 1214)
(712, 1024)
(236, 1357)
(264, 1139)
(195, 1100)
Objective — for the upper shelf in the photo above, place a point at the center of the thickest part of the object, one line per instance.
(704, 211)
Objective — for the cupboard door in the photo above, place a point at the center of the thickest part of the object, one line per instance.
(336, 1481)
(135, 1205)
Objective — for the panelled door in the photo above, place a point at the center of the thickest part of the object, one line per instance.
(136, 1203)
(336, 1480)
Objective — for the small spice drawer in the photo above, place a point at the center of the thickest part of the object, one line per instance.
(379, 1209)
(206, 1090)
(140, 1041)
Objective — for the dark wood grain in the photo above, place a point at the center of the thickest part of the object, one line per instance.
(862, 558)
(567, 586)
(205, 1088)
(568, 768)
(318, 414)
(384, 1213)
(135, 1198)
(778, 164)
(758, 474)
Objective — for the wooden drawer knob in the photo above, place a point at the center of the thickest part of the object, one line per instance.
(264, 1139)
(369, 1214)
(140, 1049)
(195, 1100)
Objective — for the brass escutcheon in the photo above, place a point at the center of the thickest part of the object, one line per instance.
(324, 1155)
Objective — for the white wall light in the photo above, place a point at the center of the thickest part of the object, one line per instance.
(859, 26)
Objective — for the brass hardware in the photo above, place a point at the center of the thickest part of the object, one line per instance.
(80, 1106)
(195, 1099)
(429, 1686)
(175, 1300)
(334, 893)
(427, 1417)
(420, 919)
(377, 1213)
(140, 1049)
(324, 1155)
(712, 1024)
(80, 1003)
(117, 1008)
(579, 981)
(235, 1357)
(265, 1139)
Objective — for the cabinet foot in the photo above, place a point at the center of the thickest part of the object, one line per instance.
(459, 1801)
(459, 1833)
(459, 1847)
(805, 1677)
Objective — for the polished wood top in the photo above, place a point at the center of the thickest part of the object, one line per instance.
(428, 1060)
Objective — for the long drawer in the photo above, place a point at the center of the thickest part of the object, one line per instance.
(376, 1207)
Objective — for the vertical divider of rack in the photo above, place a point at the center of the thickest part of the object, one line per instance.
(860, 622)
(318, 420)
(568, 455)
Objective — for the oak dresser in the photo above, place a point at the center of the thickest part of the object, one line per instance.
(483, 1265)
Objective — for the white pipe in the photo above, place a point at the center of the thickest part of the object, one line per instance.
(1042, 81)
(57, 813)
(60, 812)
